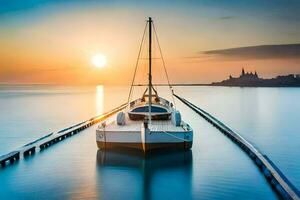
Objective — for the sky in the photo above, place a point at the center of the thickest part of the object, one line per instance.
(53, 41)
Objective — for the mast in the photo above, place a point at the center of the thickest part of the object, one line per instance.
(150, 66)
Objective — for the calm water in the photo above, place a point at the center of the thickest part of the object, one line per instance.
(214, 169)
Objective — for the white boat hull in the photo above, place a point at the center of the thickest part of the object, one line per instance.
(144, 139)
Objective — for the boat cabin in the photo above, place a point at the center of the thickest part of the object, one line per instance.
(161, 109)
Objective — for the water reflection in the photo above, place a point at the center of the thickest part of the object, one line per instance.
(130, 175)
(99, 99)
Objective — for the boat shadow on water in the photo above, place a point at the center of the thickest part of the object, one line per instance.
(130, 174)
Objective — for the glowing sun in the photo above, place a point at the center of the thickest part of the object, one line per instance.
(99, 60)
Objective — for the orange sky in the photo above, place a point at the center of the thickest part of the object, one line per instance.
(54, 45)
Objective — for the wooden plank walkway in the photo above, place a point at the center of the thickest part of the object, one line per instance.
(272, 173)
(53, 138)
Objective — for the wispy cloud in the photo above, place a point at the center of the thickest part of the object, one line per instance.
(280, 51)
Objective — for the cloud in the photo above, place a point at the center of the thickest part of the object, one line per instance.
(280, 51)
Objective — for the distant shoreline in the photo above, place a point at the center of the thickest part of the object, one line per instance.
(250, 79)
(143, 85)
(211, 84)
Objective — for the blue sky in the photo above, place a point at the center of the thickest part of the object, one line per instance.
(38, 35)
(279, 19)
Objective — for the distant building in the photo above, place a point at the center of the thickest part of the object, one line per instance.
(247, 75)
(250, 79)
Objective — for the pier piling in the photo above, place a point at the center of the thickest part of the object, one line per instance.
(11, 157)
(29, 151)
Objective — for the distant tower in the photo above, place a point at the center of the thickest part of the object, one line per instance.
(256, 74)
(243, 72)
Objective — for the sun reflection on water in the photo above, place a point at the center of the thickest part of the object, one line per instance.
(99, 99)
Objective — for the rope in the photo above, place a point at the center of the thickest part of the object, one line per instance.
(163, 61)
(137, 63)
(176, 137)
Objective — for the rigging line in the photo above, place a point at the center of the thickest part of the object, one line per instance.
(143, 66)
(137, 63)
(163, 61)
(179, 138)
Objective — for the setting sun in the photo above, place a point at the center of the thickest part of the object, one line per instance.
(99, 60)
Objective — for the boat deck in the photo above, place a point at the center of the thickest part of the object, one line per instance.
(133, 126)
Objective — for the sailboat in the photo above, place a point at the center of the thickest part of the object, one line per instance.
(148, 123)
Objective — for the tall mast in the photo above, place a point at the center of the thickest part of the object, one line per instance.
(150, 66)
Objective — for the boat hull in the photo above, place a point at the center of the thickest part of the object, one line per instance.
(145, 146)
(144, 136)
(144, 139)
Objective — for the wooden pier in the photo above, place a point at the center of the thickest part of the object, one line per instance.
(272, 173)
(10, 157)
(53, 138)
(29, 150)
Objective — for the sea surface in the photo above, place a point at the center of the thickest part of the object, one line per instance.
(215, 168)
